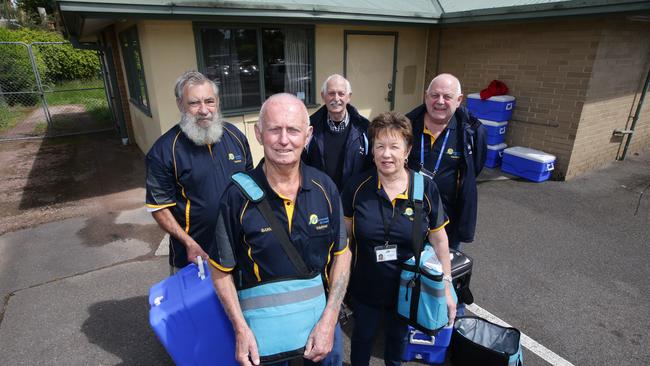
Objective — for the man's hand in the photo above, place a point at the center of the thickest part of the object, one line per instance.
(246, 348)
(194, 250)
(320, 341)
(167, 222)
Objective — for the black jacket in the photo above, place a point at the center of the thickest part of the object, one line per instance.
(357, 156)
(464, 211)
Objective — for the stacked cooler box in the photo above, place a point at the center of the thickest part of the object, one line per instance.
(530, 164)
(494, 113)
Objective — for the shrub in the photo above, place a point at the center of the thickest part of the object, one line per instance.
(16, 73)
(56, 62)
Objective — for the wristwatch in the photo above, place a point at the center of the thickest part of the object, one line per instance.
(447, 278)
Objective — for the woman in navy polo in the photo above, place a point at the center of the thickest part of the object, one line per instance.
(379, 219)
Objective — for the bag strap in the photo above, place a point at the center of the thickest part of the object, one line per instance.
(255, 193)
(416, 195)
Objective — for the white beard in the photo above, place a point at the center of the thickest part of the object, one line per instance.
(200, 135)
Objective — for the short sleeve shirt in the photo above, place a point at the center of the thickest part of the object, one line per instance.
(189, 180)
(245, 241)
(364, 200)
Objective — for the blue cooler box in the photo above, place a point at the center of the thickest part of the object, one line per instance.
(494, 155)
(420, 346)
(187, 317)
(496, 131)
(527, 163)
(498, 108)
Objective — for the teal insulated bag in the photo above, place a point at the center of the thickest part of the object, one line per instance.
(281, 312)
(421, 300)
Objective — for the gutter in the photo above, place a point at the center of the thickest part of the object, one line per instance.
(546, 10)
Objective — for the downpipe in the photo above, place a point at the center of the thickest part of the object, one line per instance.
(630, 132)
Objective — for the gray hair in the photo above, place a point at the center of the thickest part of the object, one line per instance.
(272, 99)
(458, 90)
(348, 87)
(192, 78)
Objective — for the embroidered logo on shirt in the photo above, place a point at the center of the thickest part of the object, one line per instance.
(235, 157)
(265, 229)
(408, 211)
(453, 154)
(321, 223)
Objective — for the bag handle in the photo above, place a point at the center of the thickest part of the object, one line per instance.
(416, 193)
(257, 195)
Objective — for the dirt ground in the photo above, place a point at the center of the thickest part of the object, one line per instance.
(45, 180)
(66, 119)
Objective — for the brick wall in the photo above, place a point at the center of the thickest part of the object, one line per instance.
(546, 66)
(617, 78)
(549, 67)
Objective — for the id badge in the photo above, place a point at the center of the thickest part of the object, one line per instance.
(385, 253)
(427, 173)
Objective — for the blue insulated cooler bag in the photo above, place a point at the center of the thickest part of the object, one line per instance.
(421, 300)
(281, 312)
(476, 341)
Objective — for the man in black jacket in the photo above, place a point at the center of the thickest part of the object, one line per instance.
(339, 145)
(450, 146)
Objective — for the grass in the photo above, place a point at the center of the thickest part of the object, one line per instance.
(65, 93)
(93, 100)
(10, 116)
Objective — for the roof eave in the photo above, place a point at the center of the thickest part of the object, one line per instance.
(549, 10)
(117, 11)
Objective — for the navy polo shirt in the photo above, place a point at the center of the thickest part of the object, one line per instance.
(448, 174)
(364, 200)
(244, 239)
(189, 179)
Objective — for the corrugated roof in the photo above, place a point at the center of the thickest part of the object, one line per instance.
(412, 11)
(425, 12)
(452, 6)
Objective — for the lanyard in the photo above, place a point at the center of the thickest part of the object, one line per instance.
(388, 225)
(442, 150)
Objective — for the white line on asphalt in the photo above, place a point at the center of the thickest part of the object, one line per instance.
(536, 348)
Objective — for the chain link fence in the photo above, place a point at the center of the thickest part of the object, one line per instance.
(51, 89)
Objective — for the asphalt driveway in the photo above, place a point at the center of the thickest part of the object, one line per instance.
(565, 262)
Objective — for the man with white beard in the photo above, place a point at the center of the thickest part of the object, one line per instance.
(189, 166)
(339, 145)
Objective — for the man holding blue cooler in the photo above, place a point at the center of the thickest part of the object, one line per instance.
(189, 166)
(279, 229)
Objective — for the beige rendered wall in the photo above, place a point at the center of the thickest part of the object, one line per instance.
(546, 65)
(411, 53)
(167, 50)
(618, 74)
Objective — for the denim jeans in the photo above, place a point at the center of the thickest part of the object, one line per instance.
(366, 322)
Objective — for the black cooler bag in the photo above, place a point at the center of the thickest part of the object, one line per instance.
(461, 272)
(476, 341)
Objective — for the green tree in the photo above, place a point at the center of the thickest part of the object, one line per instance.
(30, 6)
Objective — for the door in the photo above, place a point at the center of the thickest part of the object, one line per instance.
(370, 59)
